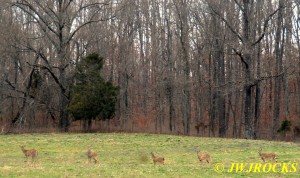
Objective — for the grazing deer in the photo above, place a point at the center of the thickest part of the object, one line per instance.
(266, 156)
(155, 159)
(203, 156)
(91, 155)
(29, 153)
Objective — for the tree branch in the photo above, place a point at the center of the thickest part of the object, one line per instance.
(39, 19)
(241, 57)
(228, 25)
(265, 26)
(84, 24)
(52, 74)
(239, 5)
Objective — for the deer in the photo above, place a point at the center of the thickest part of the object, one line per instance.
(203, 156)
(266, 156)
(91, 155)
(155, 159)
(29, 153)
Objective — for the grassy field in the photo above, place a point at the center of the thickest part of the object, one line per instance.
(127, 155)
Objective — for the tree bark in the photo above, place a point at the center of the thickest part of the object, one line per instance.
(279, 42)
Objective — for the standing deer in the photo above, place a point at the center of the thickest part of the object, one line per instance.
(266, 156)
(29, 153)
(155, 159)
(91, 155)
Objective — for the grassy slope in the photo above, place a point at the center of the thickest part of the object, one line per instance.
(127, 155)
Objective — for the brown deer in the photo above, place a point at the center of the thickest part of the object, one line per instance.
(266, 156)
(203, 156)
(29, 153)
(91, 155)
(155, 159)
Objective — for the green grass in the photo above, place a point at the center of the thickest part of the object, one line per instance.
(127, 155)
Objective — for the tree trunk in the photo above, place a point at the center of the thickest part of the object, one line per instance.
(170, 75)
(219, 73)
(182, 10)
(278, 57)
(248, 116)
(288, 51)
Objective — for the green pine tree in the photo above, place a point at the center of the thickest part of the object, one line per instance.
(91, 96)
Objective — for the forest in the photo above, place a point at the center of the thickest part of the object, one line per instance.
(190, 67)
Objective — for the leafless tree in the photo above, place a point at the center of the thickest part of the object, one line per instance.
(58, 22)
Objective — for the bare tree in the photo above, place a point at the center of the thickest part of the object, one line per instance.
(182, 12)
(279, 46)
(58, 22)
(221, 68)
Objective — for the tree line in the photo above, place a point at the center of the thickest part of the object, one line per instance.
(206, 67)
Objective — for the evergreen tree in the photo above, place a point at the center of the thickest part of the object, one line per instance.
(91, 96)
